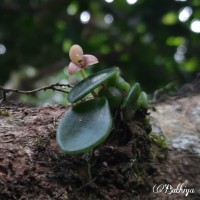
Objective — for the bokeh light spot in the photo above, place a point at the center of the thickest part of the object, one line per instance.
(185, 14)
(30, 71)
(108, 18)
(67, 43)
(2, 49)
(179, 58)
(181, 0)
(109, 1)
(72, 9)
(195, 26)
(131, 2)
(170, 18)
(58, 97)
(85, 17)
(182, 49)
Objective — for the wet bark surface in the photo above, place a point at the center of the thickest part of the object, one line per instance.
(127, 166)
(177, 117)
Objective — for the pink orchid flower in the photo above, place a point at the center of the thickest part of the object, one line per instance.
(78, 60)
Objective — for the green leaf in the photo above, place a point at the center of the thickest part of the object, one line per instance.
(90, 83)
(120, 84)
(132, 97)
(113, 95)
(84, 126)
(142, 102)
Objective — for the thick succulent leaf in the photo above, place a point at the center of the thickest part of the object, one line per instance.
(120, 84)
(113, 95)
(132, 97)
(90, 83)
(142, 102)
(84, 126)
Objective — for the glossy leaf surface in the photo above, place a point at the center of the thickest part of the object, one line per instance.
(89, 84)
(120, 84)
(142, 102)
(113, 95)
(132, 97)
(84, 126)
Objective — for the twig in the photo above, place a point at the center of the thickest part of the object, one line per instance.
(50, 87)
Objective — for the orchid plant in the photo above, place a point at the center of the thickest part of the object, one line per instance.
(90, 120)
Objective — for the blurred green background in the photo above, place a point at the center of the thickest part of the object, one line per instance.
(154, 42)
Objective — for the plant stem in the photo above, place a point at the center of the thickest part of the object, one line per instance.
(89, 170)
(89, 165)
(84, 75)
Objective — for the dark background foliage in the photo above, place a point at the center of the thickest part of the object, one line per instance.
(152, 41)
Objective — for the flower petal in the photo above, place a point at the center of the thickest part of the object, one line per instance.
(89, 60)
(76, 54)
(73, 68)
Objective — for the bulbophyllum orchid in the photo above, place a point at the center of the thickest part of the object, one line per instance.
(81, 129)
(79, 61)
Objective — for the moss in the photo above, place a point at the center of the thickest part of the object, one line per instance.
(4, 112)
(159, 146)
(159, 139)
